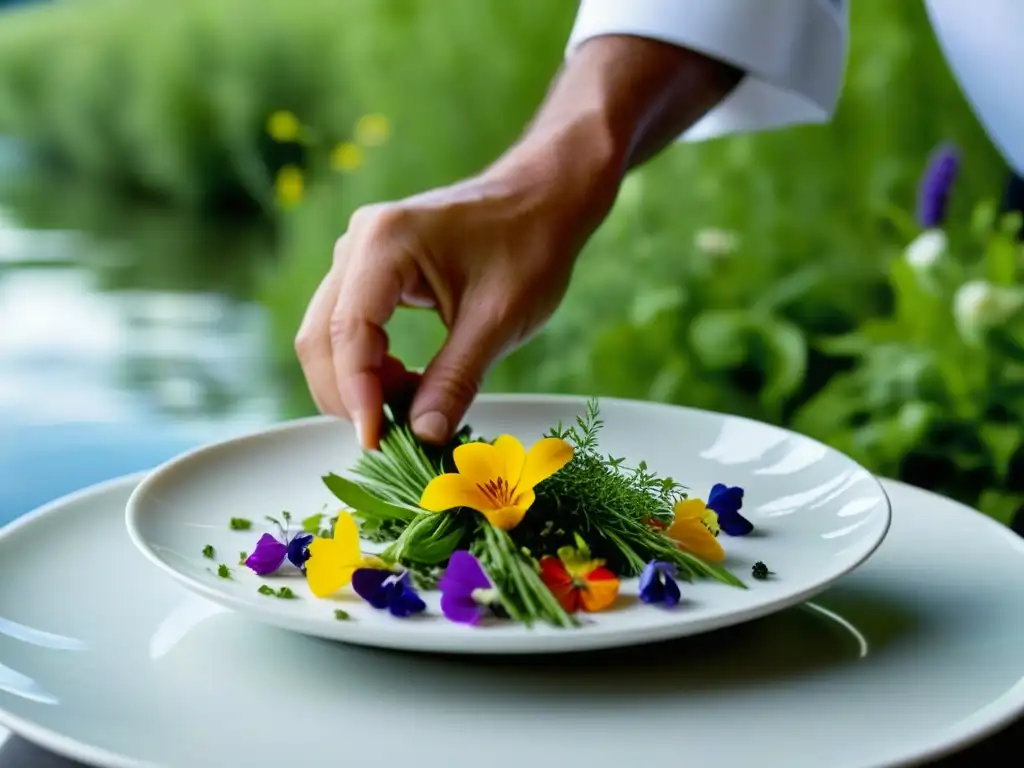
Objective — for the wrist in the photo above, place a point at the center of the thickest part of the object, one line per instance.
(570, 168)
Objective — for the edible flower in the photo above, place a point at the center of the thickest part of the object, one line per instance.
(383, 588)
(333, 561)
(466, 592)
(658, 584)
(726, 502)
(271, 551)
(694, 530)
(579, 581)
(496, 479)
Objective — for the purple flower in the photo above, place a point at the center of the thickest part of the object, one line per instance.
(936, 184)
(384, 589)
(466, 591)
(658, 584)
(271, 551)
(726, 502)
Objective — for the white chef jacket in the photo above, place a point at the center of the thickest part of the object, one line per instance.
(794, 52)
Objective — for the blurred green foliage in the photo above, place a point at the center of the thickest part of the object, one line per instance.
(760, 275)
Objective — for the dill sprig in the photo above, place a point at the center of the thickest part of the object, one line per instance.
(615, 508)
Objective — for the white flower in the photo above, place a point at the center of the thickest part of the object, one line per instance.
(716, 242)
(979, 305)
(926, 249)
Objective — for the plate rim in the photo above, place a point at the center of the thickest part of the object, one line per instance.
(960, 735)
(493, 644)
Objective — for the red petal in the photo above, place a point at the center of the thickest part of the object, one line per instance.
(601, 574)
(557, 579)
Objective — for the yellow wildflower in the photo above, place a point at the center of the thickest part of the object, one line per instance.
(373, 130)
(497, 480)
(284, 126)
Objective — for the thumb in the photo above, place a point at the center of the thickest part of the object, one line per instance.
(453, 378)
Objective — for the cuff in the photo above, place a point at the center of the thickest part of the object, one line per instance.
(794, 52)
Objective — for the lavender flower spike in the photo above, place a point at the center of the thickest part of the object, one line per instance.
(936, 186)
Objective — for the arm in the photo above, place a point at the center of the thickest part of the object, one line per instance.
(494, 254)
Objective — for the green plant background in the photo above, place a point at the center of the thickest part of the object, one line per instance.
(812, 320)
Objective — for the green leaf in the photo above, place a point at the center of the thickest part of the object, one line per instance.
(719, 338)
(787, 360)
(313, 523)
(364, 503)
(1000, 506)
(1002, 442)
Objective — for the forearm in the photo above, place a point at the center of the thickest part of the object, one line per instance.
(617, 102)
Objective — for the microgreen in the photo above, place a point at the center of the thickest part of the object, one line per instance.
(209, 552)
(223, 571)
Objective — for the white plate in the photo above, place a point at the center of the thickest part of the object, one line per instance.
(105, 660)
(817, 513)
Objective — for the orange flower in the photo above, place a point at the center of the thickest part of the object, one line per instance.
(578, 581)
(694, 530)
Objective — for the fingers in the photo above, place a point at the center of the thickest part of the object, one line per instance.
(452, 380)
(370, 292)
(313, 340)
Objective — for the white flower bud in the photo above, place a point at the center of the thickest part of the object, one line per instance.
(716, 242)
(979, 305)
(926, 249)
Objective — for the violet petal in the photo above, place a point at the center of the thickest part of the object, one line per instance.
(403, 600)
(298, 549)
(461, 608)
(464, 573)
(268, 555)
(370, 584)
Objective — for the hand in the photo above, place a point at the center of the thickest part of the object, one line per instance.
(492, 255)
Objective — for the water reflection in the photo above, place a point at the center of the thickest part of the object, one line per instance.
(150, 321)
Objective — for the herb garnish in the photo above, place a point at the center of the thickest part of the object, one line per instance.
(284, 593)
(760, 571)
(223, 571)
(341, 615)
(240, 524)
(242, 557)
(209, 552)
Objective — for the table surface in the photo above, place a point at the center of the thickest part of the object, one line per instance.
(28, 479)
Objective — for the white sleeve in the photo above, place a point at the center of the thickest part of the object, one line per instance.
(794, 52)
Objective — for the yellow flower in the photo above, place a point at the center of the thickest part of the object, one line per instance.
(373, 130)
(284, 126)
(346, 157)
(333, 561)
(289, 185)
(496, 480)
(694, 530)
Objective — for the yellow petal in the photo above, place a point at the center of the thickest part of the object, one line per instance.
(692, 509)
(513, 456)
(691, 535)
(546, 457)
(479, 462)
(505, 518)
(346, 540)
(452, 490)
(326, 572)
(333, 561)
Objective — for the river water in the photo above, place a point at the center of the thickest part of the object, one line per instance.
(126, 336)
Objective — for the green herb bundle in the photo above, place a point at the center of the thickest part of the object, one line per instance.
(616, 510)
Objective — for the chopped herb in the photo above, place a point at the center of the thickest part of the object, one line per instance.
(223, 571)
(265, 590)
(209, 552)
(760, 571)
(341, 615)
(240, 524)
(242, 557)
(285, 593)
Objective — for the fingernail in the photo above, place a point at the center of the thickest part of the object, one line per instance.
(431, 426)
